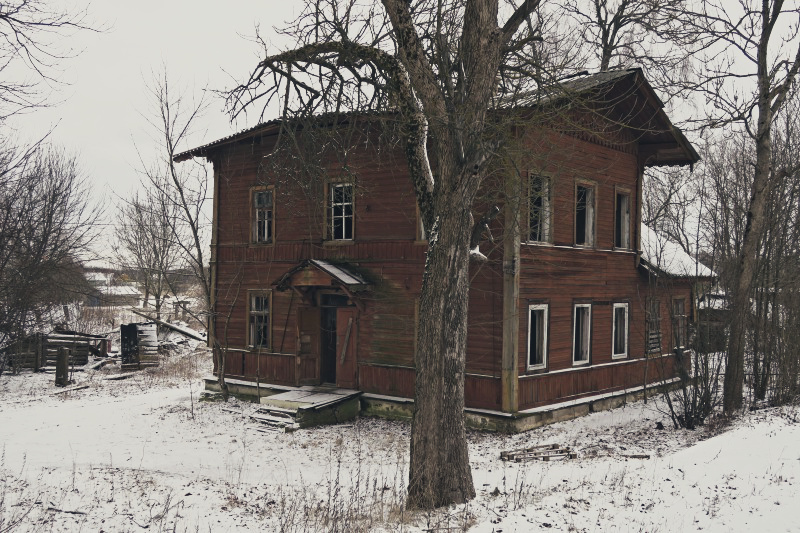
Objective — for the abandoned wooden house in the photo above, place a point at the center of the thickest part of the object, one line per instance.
(317, 267)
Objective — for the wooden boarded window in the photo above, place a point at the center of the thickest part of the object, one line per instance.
(540, 210)
(620, 331)
(622, 221)
(340, 211)
(653, 326)
(584, 215)
(679, 322)
(258, 324)
(582, 333)
(537, 336)
(262, 215)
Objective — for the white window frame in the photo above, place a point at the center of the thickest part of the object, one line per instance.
(263, 216)
(589, 229)
(587, 337)
(545, 326)
(624, 353)
(343, 217)
(254, 314)
(622, 220)
(545, 210)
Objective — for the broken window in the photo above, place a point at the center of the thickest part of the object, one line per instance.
(620, 330)
(537, 336)
(582, 324)
(263, 206)
(584, 215)
(679, 322)
(540, 209)
(622, 222)
(653, 326)
(259, 320)
(340, 212)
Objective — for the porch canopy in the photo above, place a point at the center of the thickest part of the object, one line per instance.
(318, 273)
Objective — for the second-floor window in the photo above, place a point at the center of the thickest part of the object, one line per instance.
(540, 209)
(263, 206)
(340, 211)
(622, 221)
(584, 215)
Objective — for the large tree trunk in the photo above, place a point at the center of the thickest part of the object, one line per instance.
(743, 283)
(439, 466)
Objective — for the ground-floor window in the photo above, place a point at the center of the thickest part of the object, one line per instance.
(258, 324)
(582, 333)
(620, 331)
(653, 326)
(679, 322)
(537, 336)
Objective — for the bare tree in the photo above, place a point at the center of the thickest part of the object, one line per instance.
(145, 243)
(45, 228)
(441, 66)
(184, 189)
(750, 57)
(32, 34)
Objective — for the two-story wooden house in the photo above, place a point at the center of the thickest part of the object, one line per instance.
(318, 264)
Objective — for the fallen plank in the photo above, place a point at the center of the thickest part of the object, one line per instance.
(180, 329)
(636, 455)
(99, 364)
(120, 376)
(70, 389)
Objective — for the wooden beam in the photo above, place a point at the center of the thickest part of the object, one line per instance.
(509, 378)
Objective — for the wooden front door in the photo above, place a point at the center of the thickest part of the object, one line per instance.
(308, 341)
(346, 357)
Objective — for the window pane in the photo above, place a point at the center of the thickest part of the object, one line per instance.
(622, 222)
(584, 215)
(580, 352)
(341, 212)
(620, 330)
(537, 342)
(259, 321)
(539, 216)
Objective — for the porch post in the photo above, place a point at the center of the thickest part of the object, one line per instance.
(509, 379)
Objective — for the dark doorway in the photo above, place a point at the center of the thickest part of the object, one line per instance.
(330, 306)
(328, 370)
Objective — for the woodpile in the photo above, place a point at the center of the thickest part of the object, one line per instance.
(546, 452)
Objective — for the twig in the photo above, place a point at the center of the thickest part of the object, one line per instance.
(63, 511)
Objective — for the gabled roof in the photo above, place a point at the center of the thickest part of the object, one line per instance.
(626, 97)
(661, 255)
(624, 92)
(333, 274)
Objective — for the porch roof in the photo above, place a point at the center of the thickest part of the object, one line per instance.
(317, 272)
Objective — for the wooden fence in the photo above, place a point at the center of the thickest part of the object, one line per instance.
(39, 351)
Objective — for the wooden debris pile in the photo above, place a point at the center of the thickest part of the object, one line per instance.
(544, 452)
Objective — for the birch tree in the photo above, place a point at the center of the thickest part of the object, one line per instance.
(440, 66)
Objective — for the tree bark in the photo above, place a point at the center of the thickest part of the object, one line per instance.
(439, 472)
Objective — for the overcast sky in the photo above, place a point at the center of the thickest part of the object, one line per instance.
(100, 106)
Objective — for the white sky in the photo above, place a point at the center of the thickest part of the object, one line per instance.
(100, 107)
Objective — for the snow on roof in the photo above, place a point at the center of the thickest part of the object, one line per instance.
(122, 290)
(668, 257)
(344, 276)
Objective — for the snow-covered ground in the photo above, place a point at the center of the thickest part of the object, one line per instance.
(143, 453)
